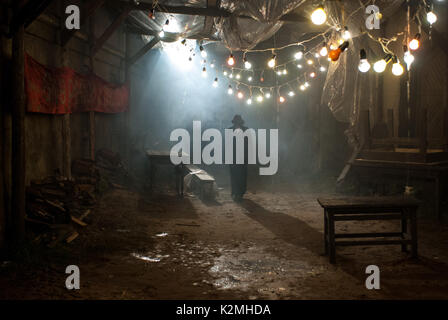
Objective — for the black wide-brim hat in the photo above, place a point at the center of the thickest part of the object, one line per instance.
(237, 119)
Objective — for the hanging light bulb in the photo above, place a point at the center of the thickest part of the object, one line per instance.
(271, 62)
(260, 98)
(231, 76)
(150, 13)
(204, 72)
(431, 17)
(310, 62)
(203, 52)
(414, 44)
(250, 79)
(279, 73)
(231, 60)
(281, 99)
(240, 94)
(249, 101)
(346, 35)
(397, 68)
(238, 76)
(299, 66)
(291, 93)
(165, 26)
(324, 51)
(212, 65)
(322, 69)
(380, 65)
(306, 84)
(408, 58)
(247, 64)
(285, 72)
(215, 83)
(268, 95)
(298, 55)
(230, 90)
(319, 16)
(161, 34)
(364, 64)
(334, 54)
(313, 74)
(302, 87)
(225, 73)
(316, 55)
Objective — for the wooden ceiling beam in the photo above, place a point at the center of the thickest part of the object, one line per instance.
(27, 13)
(206, 12)
(110, 30)
(142, 51)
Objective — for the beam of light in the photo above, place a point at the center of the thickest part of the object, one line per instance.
(179, 54)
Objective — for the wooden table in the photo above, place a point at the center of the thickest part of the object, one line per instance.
(163, 158)
(370, 208)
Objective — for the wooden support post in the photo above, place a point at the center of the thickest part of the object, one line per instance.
(127, 115)
(423, 134)
(331, 242)
(66, 118)
(18, 136)
(66, 138)
(2, 160)
(365, 120)
(92, 113)
(390, 123)
(445, 128)
(92, 135)
(110, 30)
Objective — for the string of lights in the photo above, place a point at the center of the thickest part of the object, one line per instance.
(337, 31)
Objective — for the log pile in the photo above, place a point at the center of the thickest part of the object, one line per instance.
(48, 199)
(57, 201)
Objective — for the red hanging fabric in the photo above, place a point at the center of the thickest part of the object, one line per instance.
(61, 90)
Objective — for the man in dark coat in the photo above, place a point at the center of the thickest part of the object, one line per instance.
(238, 172)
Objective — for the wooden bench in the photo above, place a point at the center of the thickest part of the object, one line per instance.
(370, 208)
(203, 180)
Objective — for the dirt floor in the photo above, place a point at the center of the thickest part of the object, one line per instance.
(270, 246)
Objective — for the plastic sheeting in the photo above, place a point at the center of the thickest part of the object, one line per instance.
(250, 23)
(262, 22)
(345, 92)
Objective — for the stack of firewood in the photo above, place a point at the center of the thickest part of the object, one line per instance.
(56, 201)
(48, 199)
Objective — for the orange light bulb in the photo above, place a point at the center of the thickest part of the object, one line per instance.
(334, 54)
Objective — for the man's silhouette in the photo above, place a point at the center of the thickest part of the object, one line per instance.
(238, 172)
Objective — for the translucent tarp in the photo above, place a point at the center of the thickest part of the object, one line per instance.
(345, 91)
